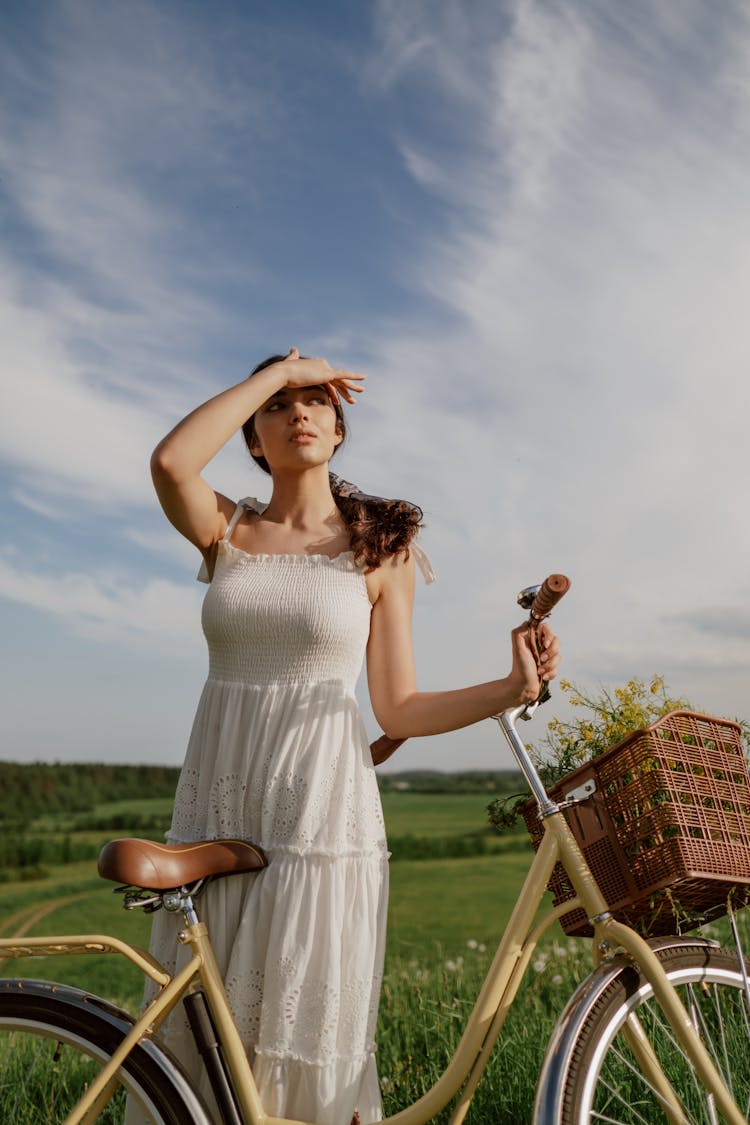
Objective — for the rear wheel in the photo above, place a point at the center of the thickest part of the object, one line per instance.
(603, 1082)
(54, 1041)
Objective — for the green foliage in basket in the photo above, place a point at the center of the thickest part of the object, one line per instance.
(601, 721)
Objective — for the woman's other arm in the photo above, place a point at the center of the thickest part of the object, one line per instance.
(404, 712)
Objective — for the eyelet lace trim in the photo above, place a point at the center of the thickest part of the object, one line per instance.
(281, 814)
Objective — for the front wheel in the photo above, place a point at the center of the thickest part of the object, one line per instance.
(599, 1079)
(54, 1041)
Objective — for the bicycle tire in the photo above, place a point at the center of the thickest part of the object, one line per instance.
(602, 1082)
(54, 1040)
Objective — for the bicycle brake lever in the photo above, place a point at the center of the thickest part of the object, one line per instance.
(544, 691)
(526, 598)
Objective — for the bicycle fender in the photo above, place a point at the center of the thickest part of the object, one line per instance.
(66, 995)
(547, 1105)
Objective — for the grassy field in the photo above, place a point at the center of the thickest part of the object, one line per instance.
(436, 908)
(434, 902)
(446, 915)
(419, 814)
(436, 814)
(133, 807)
(448, 902)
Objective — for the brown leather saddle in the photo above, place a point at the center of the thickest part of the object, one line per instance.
(164, 867)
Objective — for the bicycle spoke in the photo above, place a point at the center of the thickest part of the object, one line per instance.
(53, 1047)
(615, 1094)
(669, 1036)
(634, 1115)
(604, 1083)
(46, 1077)
(700, 1025)
(617, 1120)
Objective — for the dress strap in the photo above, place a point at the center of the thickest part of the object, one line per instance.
(424, 564)
(247, 502)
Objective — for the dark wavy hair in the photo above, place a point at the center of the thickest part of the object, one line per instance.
(377, 527)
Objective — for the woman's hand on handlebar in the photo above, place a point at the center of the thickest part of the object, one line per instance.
(304, 372)
(536, 657)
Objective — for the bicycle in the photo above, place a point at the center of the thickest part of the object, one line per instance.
(659, 1031)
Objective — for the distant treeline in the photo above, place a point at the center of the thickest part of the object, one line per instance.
(463, 781)
(33, 789)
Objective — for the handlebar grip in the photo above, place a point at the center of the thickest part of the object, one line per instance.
(549, 594)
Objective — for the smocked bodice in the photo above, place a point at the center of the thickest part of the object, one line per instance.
(286, 619)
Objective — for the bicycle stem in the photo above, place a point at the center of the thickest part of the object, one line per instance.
(507, 721)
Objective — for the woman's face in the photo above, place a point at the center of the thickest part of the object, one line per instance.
(296, 428)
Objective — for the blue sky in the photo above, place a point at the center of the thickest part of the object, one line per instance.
(527, 222)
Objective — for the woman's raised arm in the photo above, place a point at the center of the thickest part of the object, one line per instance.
(404, 712)
(188, 500)
(199, 513)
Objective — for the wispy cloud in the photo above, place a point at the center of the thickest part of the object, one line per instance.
(601, 268)
(108, 312)
(560, 379)
(105, 607)
(100, 176)
(594, 265)
(728, 625)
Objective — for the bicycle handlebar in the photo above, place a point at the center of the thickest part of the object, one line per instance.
(548, 595)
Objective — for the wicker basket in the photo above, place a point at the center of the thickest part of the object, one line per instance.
(667, 830)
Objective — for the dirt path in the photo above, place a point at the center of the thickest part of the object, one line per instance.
(28, 917)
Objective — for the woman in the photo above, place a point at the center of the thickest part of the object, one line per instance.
(300, 589)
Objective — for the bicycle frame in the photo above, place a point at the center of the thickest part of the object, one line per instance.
(509, 964)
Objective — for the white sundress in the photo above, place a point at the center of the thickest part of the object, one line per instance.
(278, 754)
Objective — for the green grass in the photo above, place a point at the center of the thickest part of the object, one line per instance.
(436, 814)
(42, 1081)
(137, 806)
(141, 806)
(446, 917)
(423, 1011)
(70, 879)
(442, 913)
(434, 903)
(108, 975)
(449, 902)
(418, 814)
